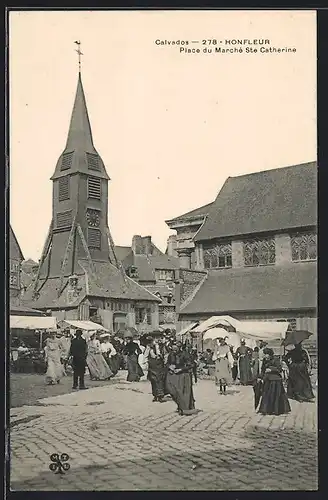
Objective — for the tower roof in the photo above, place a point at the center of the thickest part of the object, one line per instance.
(80, 154)
(15, 251)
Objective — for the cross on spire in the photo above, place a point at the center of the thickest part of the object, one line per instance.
(78, 43)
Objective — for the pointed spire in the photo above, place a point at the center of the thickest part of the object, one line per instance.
(79, 133)
(79, 154)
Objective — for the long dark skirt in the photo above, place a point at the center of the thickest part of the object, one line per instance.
(179, 386)
(245, 370)
(156, 375)
(234, 372)
(299, 384)
(134, 369)
(113, 363)
(274, 400)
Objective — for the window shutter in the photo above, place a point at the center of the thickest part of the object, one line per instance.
(64, 219)
(93, 162)
(94, 188)
(94, 238)
(66, 161)
(64, 191)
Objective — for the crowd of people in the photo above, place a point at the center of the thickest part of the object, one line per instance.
(172, 367)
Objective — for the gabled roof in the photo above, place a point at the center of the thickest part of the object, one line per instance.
(197, 212)
(20, 310)
(80, 154)
(15, 251)
(26, 279)
(148, 264)
(283, 198)
(256, 289)
(102, 280)
(122, 252)
(144, 267)
(164, 262)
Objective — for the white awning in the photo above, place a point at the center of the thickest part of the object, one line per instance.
(33, 322)
(216, 321)
(187, 329)
(254, 330)
(85, 325)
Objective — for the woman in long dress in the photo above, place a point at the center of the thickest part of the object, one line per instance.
(244, 364)
(109, 352)
(132, 352)
(55, 369)
(142, 359)
(273, 399)
(234, 369)
(223, 365)
(179, 380)
(156, 370)
(98, 368)
(255, 363)
(299, 384)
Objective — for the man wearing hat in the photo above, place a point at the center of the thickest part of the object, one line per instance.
(78, 352)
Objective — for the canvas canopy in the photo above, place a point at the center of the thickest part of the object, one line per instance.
(252, 330)
(33, 322)
(187, 329)
(84, 325)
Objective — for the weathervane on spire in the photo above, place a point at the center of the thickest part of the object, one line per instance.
(78, 43)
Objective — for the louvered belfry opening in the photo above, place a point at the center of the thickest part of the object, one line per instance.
(64, 188)
(94, 188)
(94, 238)
(93, 161)
(66, 161)
(64, 219)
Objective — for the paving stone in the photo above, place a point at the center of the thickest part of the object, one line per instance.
(128, 442)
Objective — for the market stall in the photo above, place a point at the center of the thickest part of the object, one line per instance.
(249, 330)
(26, 342)
(86, 326)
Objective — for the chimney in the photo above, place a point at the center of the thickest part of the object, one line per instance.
(172, 246)
(148, 248)
(137, 244)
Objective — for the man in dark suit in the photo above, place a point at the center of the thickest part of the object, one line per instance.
(78, 352)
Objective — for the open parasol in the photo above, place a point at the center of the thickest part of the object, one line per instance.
(215, 333)
(296, 337)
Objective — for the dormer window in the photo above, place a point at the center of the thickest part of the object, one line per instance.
(133, 272)
(73, 281)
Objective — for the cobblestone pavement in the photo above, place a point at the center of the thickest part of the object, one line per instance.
(117, 439)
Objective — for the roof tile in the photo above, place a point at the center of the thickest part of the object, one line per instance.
(257, 288)
(282, 198)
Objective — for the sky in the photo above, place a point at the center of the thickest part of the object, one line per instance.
(170, 126)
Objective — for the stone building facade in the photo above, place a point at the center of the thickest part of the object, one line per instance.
(182, 244)
(258, 245)
(161, 274)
